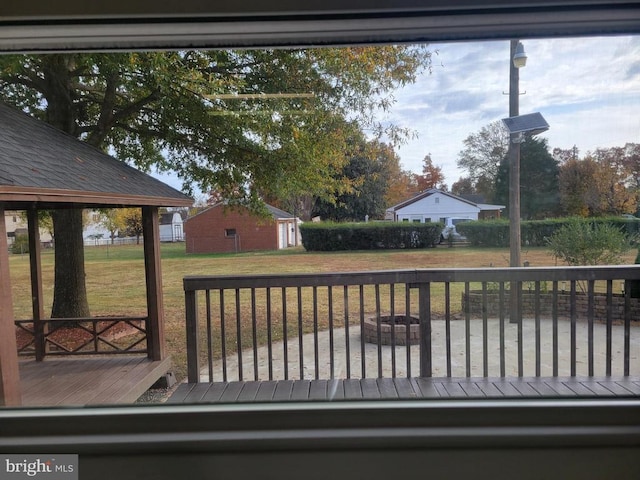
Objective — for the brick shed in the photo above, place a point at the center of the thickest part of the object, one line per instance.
(223, 229)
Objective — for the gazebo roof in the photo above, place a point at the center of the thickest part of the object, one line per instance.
(40, 164)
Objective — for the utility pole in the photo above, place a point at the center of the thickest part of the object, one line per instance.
(514, 161)
(515, 241)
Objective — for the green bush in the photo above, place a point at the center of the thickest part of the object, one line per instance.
(589, 243)
(20, 245)
(536, 233)
(485, 233)
(327, 236)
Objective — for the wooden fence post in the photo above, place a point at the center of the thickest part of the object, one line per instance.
(9, 371)
(39, 327)
(424, 302)
(193, 350)
(153, 273)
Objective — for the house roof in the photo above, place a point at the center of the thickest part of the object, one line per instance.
(276, 213)
(39, 163)
(167, 218)
(425, 194)
(432, 191)
(473, 197)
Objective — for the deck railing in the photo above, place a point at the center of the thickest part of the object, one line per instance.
(82, 336)
(453, 322)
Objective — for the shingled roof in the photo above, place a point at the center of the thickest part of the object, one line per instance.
(39, 163)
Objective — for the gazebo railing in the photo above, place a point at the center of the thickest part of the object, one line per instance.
(456, 322)
(82, 336)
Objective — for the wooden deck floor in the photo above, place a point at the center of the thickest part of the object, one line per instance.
(405, 388)
(88, 381)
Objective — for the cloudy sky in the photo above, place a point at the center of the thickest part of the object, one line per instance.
(588, 90)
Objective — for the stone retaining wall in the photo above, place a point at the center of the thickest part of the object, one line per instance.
(546, 302)
(370, 332)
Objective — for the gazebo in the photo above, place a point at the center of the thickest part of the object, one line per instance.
(44, 168)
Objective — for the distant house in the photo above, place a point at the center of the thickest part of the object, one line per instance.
(171, 227)
(17, 225)
(222, 229)
(435, 205)
(94, 233)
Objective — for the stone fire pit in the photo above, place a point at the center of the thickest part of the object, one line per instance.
(399, 322)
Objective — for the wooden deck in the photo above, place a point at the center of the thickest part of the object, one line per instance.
(88, 381)
(405, 388)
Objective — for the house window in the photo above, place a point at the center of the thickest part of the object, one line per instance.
(437, 200)
(229, 232)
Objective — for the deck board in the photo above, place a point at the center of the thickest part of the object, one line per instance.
(300, 390)
(81, 381)
(410, 388)
(352, 388)
(214, 393)
(335, 390)
(283, 390)
(266, 391)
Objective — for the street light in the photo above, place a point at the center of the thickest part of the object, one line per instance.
(518, 126)
(519, 57)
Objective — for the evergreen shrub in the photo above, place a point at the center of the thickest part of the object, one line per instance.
(20, 245)
(536, 233)
(328, 236)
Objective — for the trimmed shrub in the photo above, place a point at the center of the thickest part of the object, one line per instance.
(327, 236)
(20, 245)
(536, 233)
(485, 233)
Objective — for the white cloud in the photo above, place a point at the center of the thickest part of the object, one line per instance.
(588, 89)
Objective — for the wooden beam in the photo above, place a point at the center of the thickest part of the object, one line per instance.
(153, 275)
(9, 372)
(12, 193)
(35, 262)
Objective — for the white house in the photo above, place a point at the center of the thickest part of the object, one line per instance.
(171, 227)
(17, 225)
(435, 206)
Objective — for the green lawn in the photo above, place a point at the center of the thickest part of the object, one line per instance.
(115, 274)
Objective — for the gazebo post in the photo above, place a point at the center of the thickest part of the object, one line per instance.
(35, 262)
(9, 371)
(153, 274)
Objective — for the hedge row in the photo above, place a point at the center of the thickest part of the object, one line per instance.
(534, 233)
(368, 236)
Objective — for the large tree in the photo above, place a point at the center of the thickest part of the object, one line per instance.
(370, 172)
(239, 122)
(601, 183)
(481, 157)
(539, 196)
(576, 181)
(432, 176)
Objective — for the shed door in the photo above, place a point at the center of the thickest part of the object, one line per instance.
(282, 235)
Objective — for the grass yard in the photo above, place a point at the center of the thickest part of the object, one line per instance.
(115, 275)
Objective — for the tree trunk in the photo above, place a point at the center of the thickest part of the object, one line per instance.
(69, 292)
